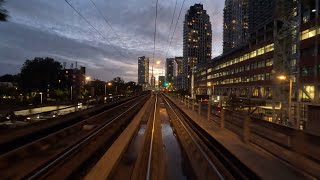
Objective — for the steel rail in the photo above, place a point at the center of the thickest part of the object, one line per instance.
(152, 138)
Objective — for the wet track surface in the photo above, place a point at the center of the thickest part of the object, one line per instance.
(172, 149)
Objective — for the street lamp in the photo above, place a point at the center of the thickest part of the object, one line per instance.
(88, 78)
(283, 78)
(40, 97)
(105, 88)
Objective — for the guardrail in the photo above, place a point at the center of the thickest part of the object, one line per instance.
(296, 140)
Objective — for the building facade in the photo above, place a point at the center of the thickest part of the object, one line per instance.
(143, 70)
(73, 79)
(197, 42)
(170, 70)
(251, 72)
(235, 23)
(179, 73)
(161, 81)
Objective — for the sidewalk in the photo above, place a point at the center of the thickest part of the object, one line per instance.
(264, 165)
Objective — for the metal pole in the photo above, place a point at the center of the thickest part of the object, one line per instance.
(71, 92)
(105, 89)
(41, 97)
(116, 89)
(209, 109)
(289, 104)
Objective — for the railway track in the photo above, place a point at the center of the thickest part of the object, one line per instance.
(70, 151)
(208, 157)
(16, 138)
(150, 161)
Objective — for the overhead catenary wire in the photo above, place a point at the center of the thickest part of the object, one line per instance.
(154, 40)
(93, 27)
(105, 19)
(174, 11)
(175, 28)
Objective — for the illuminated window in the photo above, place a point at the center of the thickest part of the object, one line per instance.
(269, 62)
(269, 48)
(253, 54)
(310, 91)
(255, 92)
(312, 32)
(304, 34)
(260, 51)
(308, 33)
(246, 56)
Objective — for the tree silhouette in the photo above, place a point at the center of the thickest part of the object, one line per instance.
(3, 12)
(39, 74)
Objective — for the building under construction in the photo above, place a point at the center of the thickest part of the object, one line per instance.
(275, 74)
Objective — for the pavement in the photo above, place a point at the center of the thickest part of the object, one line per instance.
(263, 164)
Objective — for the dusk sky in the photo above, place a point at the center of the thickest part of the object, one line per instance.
(51, 28)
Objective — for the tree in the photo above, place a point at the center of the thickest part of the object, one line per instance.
(39, 74)
(9, 78)
(3, 12)
(118, 86)
(98, 86)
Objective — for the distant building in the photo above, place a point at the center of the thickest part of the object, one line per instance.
(235, 23)
(170, 70)
(197, 41)
(179, 65)
(261, 13)
(278, 41)
(153, 81)
(161, 81)
(73, 80)
(178, 73)
(143, 70)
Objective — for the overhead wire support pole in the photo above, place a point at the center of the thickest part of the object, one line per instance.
(93, 27)
(154, 44)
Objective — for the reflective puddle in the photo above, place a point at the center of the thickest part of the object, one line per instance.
(175, 162)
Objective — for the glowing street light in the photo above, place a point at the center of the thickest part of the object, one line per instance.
(40, 97)
(105, 87)
(158, 62)
(88, 78)
(282, 77)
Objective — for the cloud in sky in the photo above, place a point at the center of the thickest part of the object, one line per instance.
(52, 28)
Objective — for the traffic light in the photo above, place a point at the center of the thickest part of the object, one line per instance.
(166, 84)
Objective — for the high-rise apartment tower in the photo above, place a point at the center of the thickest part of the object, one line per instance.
(197, 41)
(143, 70)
